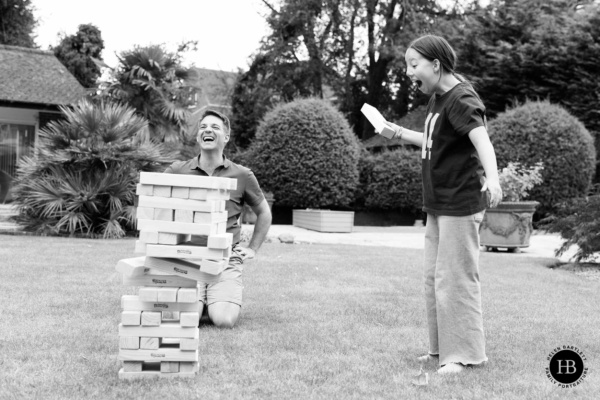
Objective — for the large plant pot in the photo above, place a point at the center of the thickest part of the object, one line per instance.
(324, 220)
(508, 226)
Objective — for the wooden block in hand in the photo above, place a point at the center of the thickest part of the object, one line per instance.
(167, 294)
(213, 267)
(132, 366)
(149, 294)
(149, 343)
(189, 319)
(172, 238)
(169, 366)
(187, 295)
(180, 192)
(129, 342)
(131, 318)
(151, 318)
(184, 216)
(162, 191)
(163, 214)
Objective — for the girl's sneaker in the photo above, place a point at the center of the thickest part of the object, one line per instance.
(451, 368)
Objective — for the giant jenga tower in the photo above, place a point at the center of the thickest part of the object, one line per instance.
(158, 334)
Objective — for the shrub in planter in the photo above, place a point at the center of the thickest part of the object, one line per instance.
(306, 154)
(391, 180)
(82, 179)
(539, 131)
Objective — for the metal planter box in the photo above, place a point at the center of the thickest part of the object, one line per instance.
(324, 220)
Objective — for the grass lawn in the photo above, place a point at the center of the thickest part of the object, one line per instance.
(319, 321)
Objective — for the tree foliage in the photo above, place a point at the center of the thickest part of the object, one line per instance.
(77, 52)
(152, 80)
(82, 178)
(17, 23)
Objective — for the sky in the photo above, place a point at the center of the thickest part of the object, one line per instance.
(228, 31)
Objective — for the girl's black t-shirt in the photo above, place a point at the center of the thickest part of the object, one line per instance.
(452, 171)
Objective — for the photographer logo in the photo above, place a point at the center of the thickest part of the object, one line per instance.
(566, 367)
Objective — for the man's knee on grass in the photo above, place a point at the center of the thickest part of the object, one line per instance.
(224, 315)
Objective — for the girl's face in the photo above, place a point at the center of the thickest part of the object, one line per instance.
(421, 71)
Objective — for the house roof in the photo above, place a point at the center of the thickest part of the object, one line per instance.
(36, 76)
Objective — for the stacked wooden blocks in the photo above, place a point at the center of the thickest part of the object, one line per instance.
(158, 334)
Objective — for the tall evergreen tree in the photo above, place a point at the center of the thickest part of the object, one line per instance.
(17, 23)
(77, 52)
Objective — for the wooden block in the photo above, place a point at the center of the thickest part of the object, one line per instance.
(149, 343)
(186, 216)
(221, 228)
(180, 192)
(132, 266)
(168, 294)
(185, 251)
(221, 241)
(144, 190)
(187, 367)
(133, 303)
(181, 204)
(166, 329)
(189, 319)
(148, 294)
(170, 315)
(171, 238)
(131, 318)
(163, 214)
(208, 182)
(152, 371)
(180, 227)
(189, 344)
(129, 342)
(209, 218)
(132, 366)
(160, 354)
(152, 280)
(188, 295)
(162, 191)
(213, 267)
(148, 237)
(151, 318)
(209, 194)
(169, 366)
(186, 269)
(144, 213)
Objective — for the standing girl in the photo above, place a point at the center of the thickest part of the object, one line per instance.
(456, 150)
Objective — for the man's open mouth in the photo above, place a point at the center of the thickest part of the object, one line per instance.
(208, 139)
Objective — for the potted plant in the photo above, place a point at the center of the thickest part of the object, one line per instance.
(510, 225)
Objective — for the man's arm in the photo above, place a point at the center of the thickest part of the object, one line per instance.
(262, 225)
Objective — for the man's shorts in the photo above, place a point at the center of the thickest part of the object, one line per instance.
(229, 286)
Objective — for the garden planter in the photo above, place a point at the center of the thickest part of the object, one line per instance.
(324, 220)
(508, 226)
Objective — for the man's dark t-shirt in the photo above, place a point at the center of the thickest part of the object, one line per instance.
(452, 171)
(247, 192)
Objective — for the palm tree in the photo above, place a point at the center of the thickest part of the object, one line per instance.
(82, 178)
(153, 82)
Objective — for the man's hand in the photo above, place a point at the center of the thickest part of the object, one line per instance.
(245, 253)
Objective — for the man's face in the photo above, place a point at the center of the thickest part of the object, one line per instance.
(211, 133)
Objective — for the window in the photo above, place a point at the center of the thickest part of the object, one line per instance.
(16, 141)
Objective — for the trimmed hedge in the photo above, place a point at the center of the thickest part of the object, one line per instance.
(391, 180)
(306, 154)
(541, 131)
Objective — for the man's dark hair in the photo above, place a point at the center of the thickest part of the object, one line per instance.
(219, 115)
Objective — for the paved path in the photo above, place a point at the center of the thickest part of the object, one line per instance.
(541, 244)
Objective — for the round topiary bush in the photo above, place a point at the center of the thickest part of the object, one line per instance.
(306, 154)
(392, 180)
(541, 131)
